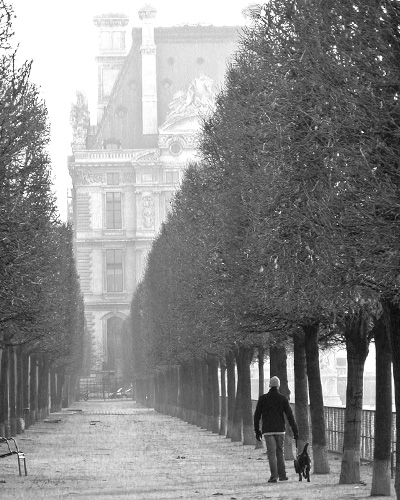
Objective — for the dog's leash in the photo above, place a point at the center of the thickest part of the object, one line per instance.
(295, 462)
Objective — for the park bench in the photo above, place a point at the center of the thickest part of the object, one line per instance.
(14, 451)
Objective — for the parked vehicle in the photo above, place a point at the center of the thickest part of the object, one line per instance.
(129, 392)
(121, 393)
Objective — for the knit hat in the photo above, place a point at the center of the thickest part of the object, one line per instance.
(274, 382)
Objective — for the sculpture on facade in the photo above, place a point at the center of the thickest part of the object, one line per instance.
(80, 120)
(147, 211)
(198, 100)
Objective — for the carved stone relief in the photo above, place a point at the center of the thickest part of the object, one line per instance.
(79, 119)
(85, 177)
(186, 141)
(198, 100)
(147, 210)
(148, 156)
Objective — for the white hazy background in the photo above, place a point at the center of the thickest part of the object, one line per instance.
(61, 39)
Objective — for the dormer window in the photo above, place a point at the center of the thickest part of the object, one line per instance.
(121, 111)
(111, 144)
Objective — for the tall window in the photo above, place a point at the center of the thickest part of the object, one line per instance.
(114, 270)
(113, 211)
(172, 177)
(105, 40)
(114, 345)
(118, 40)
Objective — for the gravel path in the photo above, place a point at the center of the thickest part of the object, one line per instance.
(120, 450)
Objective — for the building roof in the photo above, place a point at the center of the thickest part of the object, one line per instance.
(182, 54)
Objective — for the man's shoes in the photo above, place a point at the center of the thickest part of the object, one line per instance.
(273, 480)
(284, 478)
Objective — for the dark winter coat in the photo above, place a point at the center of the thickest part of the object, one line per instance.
(272, 407)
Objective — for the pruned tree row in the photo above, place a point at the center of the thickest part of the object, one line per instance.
(285, 234)
(41, 307)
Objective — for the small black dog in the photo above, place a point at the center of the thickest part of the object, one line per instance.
(302, 464)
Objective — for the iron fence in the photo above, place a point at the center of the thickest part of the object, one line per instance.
(335, 423)
(335, 418)
(96, 389)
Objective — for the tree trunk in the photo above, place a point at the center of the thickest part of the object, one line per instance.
(204, 383)
(260, 357)
(223, 424)
(46, 383)
(193, 388)
(167, 387)
(13, 392)
(20, 390)
(320, 451)
(26, 391)
(210, 387)
(43, 387)
(4, 383)
(237, 414)
(39, 388)
(183, 390)
(60, 384)
(301, 388)
(198, 392)
(273, 362)
(33, 396)
(64, 386)
(279, 365)
(53, 390)
(215, 403)
(157, 392)
(261, 371)
(231, 390)
(176, 391)
(244, 361)
(383, 411)
(391, 312)
(356, 334)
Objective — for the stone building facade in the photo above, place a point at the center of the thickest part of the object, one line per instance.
(125, 170)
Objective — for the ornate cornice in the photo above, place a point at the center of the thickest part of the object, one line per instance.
(186, 140)
(111, 20)
(101, 156)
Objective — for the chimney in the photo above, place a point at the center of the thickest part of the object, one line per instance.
(111, 55)
(149, 75)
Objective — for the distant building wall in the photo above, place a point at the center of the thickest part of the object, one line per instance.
(125, 171)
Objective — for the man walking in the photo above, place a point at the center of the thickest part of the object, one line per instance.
(272, 407)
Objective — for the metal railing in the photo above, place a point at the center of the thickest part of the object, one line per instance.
(96, 389)
(335, 423)
(335, 418)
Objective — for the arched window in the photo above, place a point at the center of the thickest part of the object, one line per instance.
(114, 347)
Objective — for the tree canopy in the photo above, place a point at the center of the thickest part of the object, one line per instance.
(40, 300)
